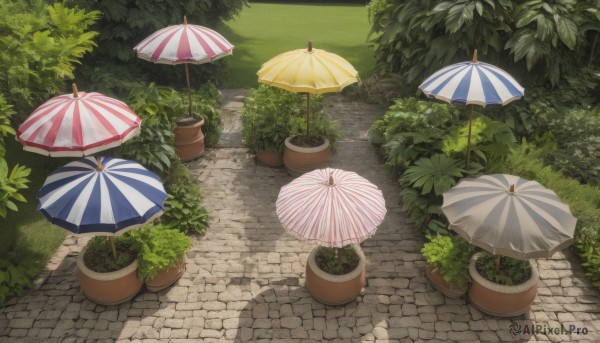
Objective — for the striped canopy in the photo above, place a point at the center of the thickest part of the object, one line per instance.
(82, 199)
(78, 124)
(183, 44)
(309, 70)
(509, 216)
(474, 83)
(330, 207)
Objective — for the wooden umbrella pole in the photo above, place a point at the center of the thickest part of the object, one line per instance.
(470, 110)
(114, 248)
(75, 93)
(498, 263)
(187, 78)
(307, 117)
(99, 166)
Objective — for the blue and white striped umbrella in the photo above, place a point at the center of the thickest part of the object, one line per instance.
(106, 198)
(472, 83)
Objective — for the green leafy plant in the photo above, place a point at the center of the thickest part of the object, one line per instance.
(157, 106)
(587, 245)
(511, 272)
(160, 249)
(99, 255)
(337, 261)
(437, 173)
(270, 115)
(15, 278)
(184, 210)
(449, 255)
(205, 103)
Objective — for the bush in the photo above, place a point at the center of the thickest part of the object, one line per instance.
(205, 103)
(160, 249)
(449, 255)
(538, 42)
(511, 272)
(99, 255)
(271, 114)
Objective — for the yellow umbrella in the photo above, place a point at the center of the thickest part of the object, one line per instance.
(310, 71)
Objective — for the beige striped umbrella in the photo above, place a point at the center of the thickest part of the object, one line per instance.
(331, 207)
(509, 216)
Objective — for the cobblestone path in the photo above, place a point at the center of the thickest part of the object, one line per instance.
(244, 278)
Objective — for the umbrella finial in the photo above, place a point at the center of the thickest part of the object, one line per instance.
(475, 56)
(309, 47)
(511, 190)
(75, 93)
(99, 166)
(331, 179)
(184, 20)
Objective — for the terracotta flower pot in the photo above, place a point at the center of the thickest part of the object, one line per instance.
(500, 300)
(299, 160)
(269, 158)
(438, 282)
(189, 139)
(108, 288)
(334, 289)
(166, 278)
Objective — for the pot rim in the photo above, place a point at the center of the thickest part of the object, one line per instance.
(200, 121)
(475, 276)
(296, 148)
(337, 278)
(117, 274)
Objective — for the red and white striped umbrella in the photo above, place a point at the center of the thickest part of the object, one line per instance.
(78, 124)
(184, 44)
(331, 207)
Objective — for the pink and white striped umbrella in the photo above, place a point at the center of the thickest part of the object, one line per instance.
(183, 44)
(78, 124)
(331, 207)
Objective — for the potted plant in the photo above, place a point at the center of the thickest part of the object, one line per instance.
(268, 117)
(447, 267)
(335, 276)
(161, 256)
(104, 278)
(303, 153)
(502, 286)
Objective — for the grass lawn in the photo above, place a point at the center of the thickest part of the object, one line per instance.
(263, 31)
(31, 236)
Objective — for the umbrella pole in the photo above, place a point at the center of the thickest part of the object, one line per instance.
(307, 117)
(114, 248)
(187, 78)
(470, 110)
(498, 263)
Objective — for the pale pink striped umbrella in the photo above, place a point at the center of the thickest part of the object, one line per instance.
(185, 43)
(331, 207)
(78, 124)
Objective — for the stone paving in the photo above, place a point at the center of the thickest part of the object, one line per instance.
(244, 278)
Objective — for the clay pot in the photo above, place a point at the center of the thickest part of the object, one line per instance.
(269, 158)
(438, 282)
(108, 288)
(334, 289)
(299, 160)
(166, 278)
(189, 139)
(500, 300)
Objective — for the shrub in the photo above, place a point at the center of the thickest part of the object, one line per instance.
(160, 249)
(449, 255)
(99, 255)
(15, 277)
(511, 272)
(206, 101)
(183, 207)
(337, 261)
(270, 115)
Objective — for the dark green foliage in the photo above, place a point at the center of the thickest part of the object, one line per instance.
(588, 247)
(125, 23)
(512, 271)
(449, 255)
(15, 277)
(39, 48)
(157, 106)
(99, 256)
(160, 249)
(337, 261)
(205, 102)
(437, 173)
(271, 114)
(537, 41)
(183, 209)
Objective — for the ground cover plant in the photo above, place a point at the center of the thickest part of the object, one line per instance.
(264, 30)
